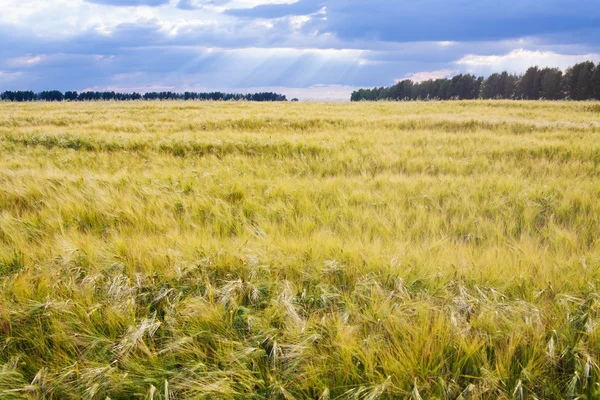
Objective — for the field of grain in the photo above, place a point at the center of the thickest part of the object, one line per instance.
(420, 250)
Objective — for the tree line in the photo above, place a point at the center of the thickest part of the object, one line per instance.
(56, 95)
(579, 82)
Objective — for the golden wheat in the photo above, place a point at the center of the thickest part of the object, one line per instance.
(302, 250)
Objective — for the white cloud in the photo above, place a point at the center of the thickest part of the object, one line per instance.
(320, 92)
(256, 3)
(182, 26)
(65, 18)
(519, 60)
(446, 43)
(427, 75)
(516, 61)
(200, 4)
(28, 61)
(297, 22)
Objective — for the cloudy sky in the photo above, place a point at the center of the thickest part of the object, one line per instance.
(312, 49)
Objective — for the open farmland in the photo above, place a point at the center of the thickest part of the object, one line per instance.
(296, 250)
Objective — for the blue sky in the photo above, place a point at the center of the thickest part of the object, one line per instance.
(311, 49)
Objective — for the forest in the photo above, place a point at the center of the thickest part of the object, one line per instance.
(56, 95)
(579, 82)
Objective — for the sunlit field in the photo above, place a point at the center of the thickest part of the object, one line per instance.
(446, 250)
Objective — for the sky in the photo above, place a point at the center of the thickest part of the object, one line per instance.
(310, 49)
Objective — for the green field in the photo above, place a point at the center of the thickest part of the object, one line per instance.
(156, 250)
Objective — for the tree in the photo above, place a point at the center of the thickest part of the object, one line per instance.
(18, 96)
(510, 85)
(551, 83)
(71, 96)
(55, 95)
(492, 87)
(578, 81)
(596, 82)
(108, 96)
(52, 95)
(530, 84)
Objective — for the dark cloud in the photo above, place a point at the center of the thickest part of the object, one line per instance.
(436, 20)
(467, 28)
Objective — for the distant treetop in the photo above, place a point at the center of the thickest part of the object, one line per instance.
(580, 82)
(55, 95)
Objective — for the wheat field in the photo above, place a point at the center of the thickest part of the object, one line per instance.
(216, 250)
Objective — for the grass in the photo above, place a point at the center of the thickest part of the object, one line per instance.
(445, 250)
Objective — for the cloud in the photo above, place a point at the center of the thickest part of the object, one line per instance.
(519, 60)
(27, 61)
(225, 5)
(516, 61)
(320, 92)
(7, 77)
(271, 11)
(130, 3)
(456, 20)
(185, 67)
(425, 76)
(325, 46)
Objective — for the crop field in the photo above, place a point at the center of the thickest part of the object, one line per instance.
(216, 250)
